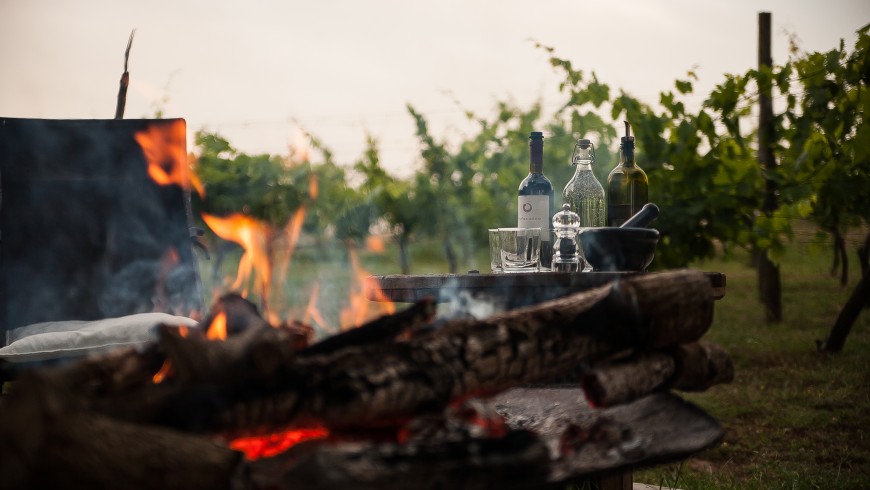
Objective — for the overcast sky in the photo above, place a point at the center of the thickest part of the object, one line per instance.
(342, 69)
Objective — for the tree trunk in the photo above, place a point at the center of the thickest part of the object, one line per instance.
(770, 289)
(864, 261)
(856, 302)
(450, 255)
(841, 258)
(404, 261)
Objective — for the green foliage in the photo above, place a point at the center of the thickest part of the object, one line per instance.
(263, 186)
(700, 158)
(828, 161)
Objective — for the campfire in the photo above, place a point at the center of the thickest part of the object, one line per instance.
(394, 398)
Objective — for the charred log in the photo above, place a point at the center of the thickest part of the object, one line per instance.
(382, 329)
(686, 367)
(50, 441)
(226, 387)
(82, 418)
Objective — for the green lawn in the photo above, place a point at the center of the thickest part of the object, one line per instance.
(794, 417)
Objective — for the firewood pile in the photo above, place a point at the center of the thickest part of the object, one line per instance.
(400, 402)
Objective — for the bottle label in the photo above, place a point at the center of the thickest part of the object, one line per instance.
(617, 214)
(534, 212)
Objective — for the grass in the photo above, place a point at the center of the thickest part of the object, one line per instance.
(794, 418)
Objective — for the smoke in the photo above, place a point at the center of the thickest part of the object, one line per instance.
(455, 303)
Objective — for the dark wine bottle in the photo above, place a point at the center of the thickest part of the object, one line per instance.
(627, 184)
(535, 199)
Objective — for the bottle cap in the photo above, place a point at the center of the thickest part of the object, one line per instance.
(583, 144)
(536, 135)
(566, 220)
(628, 138)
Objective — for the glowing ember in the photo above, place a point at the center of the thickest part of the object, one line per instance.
(164, 146)
(273, 444)
(218, 328)
(253, 236)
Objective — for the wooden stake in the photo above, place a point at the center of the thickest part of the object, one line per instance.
(125, 81)
(769, 286)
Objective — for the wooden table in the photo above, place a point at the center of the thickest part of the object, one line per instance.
(515, 290)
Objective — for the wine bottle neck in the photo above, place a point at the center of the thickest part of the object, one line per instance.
(536, 156)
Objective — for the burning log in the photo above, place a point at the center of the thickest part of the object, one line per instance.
(686, 367)
(255, 382)
(264, 379)
(50, 441)
(382, 329)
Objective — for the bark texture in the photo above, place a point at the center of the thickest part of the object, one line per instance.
(110, 412)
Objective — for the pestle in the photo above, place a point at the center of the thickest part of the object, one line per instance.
(647, 213)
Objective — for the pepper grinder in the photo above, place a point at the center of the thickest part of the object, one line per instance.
(566, 256)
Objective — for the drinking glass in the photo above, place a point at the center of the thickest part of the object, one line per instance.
(520, 249)
(494, 250)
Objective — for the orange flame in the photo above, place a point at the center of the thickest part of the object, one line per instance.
(311, 311)
(292, 231)
(253, 236)
(218, 328)
(360, 291)
(300, 146)
(165, 370)
(313, 186)
(267, 446)
(375, 244)
(165, 149)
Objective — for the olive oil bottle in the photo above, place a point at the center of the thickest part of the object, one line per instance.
(627, 184)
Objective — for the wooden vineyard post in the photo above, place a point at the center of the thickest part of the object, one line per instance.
(769, 286)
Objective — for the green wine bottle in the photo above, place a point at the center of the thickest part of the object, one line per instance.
(627, 184)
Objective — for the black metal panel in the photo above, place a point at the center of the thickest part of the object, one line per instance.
(84, 232)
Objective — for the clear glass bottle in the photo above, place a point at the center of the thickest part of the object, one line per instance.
(535, 198)
(627, 184)
(583, 192)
